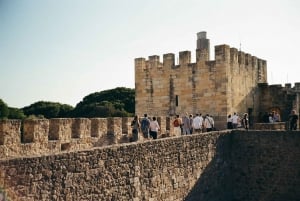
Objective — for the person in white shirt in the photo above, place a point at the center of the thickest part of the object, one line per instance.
(229, 122)
(209, 123)
(235, 120)
(154, 128)
(198, 123)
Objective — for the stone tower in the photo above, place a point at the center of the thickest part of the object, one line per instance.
(218, 87)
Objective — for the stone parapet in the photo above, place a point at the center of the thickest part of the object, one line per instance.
(225, 165)
(49, 136)
(271, 126)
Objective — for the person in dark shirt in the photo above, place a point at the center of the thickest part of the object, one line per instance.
(245, 121)
(293, 119)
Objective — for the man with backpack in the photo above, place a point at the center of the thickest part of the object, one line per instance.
(145, 125)
(177, 123)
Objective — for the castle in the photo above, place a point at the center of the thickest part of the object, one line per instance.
(234, 82)
(91, 159)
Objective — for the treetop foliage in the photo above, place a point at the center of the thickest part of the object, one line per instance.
(118, 102)
(48, 109)
(113, 102)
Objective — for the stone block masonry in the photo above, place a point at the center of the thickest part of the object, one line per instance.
(227, 165)
(51, 136)
(234, 81)
(217, 87)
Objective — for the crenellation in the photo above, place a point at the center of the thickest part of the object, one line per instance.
(241, 57)
(114, 126)
(254, 62)
(248, 59)
(140, 64)
(60, 129)
(35, 131)
(262, 70)
(222, 54)
(49, 136)
(126, 125)
(297, 86)
(81, 128)
(98, 127)
(10, 132)
(288, 85)
(234, 55)
(276, 86)
(184, 58)
(154, 62)
(169, 60)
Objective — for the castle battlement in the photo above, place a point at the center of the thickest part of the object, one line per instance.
(286, 86)
(223, 54)
(50, 136)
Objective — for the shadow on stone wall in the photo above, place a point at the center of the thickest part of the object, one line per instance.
(251, 166)
(215, 182)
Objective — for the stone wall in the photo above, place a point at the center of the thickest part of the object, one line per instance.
(282, 126)
(282, 99)
(266, 166)
(228, 165)
(44, 136)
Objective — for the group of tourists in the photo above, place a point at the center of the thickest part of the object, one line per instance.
(271, 117)
(190, 124)
(149, 127)
(234, 121)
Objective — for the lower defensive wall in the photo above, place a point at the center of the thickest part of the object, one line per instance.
(222, 165)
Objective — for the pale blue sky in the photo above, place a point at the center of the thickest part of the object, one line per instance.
(63, 50)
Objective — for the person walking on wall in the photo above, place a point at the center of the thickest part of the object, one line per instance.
(145, 124)
(229, 122)
(176, 123)
(191, 123)
(186, 124)
(245, 121)
(293, 119)
(135, 125)
(235, 120)
(208, 123)
(154, 128)
(198, 123)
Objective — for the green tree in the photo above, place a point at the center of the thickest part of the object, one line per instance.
(118, 102)
(15, 113)
(4, 111)
(48, 109)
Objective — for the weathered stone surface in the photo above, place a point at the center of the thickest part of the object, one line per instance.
(233, 82)
(228, 165)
